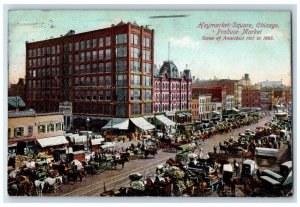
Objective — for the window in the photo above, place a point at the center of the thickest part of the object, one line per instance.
(94, 95)
(147, 94)
(101, 67)
(94, 43)
(41, 129)
(76, 57)
(148, 108)
(50, 128)
(135, 80)
(76, 81)
(70, 46)
(95, 55)
(53, 50)
(135, 95)
(147, 42)
(147, 81)
(121, 95)
(107, 81)
(147, 54)
(101, 42)
(121, 38)
(94, 81)
(107, 41)
(48, 51)
(121, 80)
(135, 66)
(57, 49)
(94, 69)
(134, 39)
(121, 65)
(101, 81)
(76, 45)
(100, 95)
(76, 69)
(33, 73)
(30, 53)
(88, 44)
(107, 54)
(82, 57)
(121, 109)
(88, 56)
(101, 56)
(30, 63)
(88, 81)
(107, 95)
(135, 109)
(88, 68)
(19, 131)
(148, 68)
(82, 69)
(108, 67)
(58, 126)
(134, 52)
(82, 45)
(121, 51)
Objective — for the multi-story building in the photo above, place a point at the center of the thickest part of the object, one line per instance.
(229, 102)
(195, 109)
(227, 86)
(266, 99)
(173, 91)
(28, 126)
(103, 73)
(18, 89)
(251, 98)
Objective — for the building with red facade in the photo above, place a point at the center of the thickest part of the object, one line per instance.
(18, 89)
(173, 92)
(103, 73)
(251, 97)
(219, 88)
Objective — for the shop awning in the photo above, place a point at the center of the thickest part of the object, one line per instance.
(52, 141)
(170, 113)
(141, 123)
(80, 139)
(117, 123)
(97, 141)
(107, 145)
(164, 120)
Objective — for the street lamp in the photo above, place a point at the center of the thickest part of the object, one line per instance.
(88, 134)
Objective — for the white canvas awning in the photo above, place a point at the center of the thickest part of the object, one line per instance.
(289, 179)
(107, 145)
(52, 141)
(97, 141)
(141, 123)
(164, 120)
(80, 139)
(117, 123)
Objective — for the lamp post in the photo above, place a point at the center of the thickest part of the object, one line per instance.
(88, 134)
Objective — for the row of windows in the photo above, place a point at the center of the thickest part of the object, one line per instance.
(53, 60)
(37, 52)
(20, 131)
(136, 109)
(173, 107)
(42, 83)
(55, 71)
(174, 86)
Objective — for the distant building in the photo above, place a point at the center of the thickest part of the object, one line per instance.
(245, 81)
(229, 87)
(251, 97)
(195, 109)
(173, 92)
(18, 89)
(270, 84)
(229, 102)
(266, 99)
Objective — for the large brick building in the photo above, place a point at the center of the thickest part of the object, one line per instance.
(219, 89)
(173, 92)
(251, 97)
(103, 73)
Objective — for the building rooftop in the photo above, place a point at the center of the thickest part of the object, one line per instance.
(30, 112)
(16, 101)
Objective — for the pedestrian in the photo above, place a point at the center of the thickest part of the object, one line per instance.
(279, 144)
(215, 149)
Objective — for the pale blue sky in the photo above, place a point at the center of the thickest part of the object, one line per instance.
(263, 60)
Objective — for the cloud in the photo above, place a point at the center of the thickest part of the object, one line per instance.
(186, 41)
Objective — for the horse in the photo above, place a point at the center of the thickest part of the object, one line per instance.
(150, 151)
(39, 186)
(53, 183)
(73, 174)
(25, 186)
(120, 161)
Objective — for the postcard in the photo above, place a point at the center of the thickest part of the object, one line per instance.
(149, 103)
